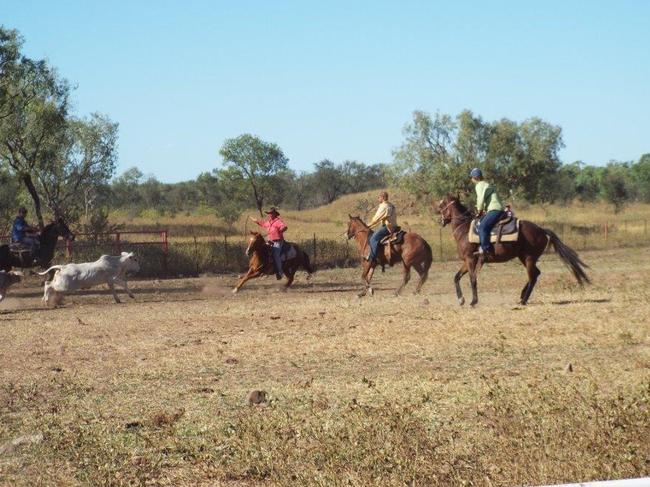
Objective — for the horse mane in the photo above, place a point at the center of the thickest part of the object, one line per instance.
(459, 204)
(462, 207)
(358, 219)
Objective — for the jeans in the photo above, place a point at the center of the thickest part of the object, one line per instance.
(487, 223)
(375, 238)
(276, 250)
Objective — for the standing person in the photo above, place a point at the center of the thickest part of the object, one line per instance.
(489, 206)
(22, 232)
(275, 228)
(386, 216)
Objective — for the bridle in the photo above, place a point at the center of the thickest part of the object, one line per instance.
(360, 230)
(466, 215)
(252, 240)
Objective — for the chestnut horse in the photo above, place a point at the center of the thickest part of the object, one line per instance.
(261, 263)
(414, 252)
(529, 247)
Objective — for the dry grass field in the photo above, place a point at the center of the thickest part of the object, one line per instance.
(376, 391)
(329, 221)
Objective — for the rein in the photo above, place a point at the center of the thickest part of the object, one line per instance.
(465, 216)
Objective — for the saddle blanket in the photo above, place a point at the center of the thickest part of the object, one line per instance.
(510, 232)
(288, 251)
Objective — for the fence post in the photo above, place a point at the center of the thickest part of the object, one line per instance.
(118, 243)
(196, 255)
(163, 239)
(225, 252)
(68, 249)
(440, 241)
(314, 247)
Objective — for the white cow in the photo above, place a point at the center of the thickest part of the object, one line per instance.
(6, 280)
(108, 269)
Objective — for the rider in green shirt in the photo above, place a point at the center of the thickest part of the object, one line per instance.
(489, 206)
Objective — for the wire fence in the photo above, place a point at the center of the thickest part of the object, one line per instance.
(163, 254)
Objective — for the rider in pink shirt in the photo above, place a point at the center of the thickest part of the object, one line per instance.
(275, 228)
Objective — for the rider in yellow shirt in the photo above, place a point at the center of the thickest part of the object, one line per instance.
(386, 219)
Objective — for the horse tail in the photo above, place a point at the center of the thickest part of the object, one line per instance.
(307, 264)
(429, 255)
(569, 257)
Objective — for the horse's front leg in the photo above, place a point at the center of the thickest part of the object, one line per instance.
(252, 273)
(473, 267)
(366, 275)
(459, 292)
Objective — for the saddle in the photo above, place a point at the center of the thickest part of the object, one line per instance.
(394, 238)
(23, 253)
(288, 251)
(19, 249)
(506, 230)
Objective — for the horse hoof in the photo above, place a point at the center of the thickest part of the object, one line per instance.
(461, 301)
(235, 291)
(473, 303)
(370, 291)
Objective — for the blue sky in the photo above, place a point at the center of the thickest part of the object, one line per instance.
(339, 79)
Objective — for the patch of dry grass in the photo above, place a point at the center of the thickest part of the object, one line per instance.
(380, 391)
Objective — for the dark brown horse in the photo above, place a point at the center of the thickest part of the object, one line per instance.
(44, 253)
(528, 248)
(414, 252)
(261, 263)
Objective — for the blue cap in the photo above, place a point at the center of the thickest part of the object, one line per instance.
(476, 173)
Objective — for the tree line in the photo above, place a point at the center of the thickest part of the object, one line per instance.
(521, 159)
(58, 163)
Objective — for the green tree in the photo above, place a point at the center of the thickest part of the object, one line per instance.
(256, 162)
(588, 182)
(425, 163)
(301, 191)
(74, 181)
(232, 189)
(438, 153)
(33, 113)
(328, 180)
(125, 190)
(640, 173)
(360, 177)
(616, 186)
(9, 199)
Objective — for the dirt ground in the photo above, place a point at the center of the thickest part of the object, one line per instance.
(154, 391)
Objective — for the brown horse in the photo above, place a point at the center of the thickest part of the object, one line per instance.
(414, 252)
(529, 247)
(261, 263)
